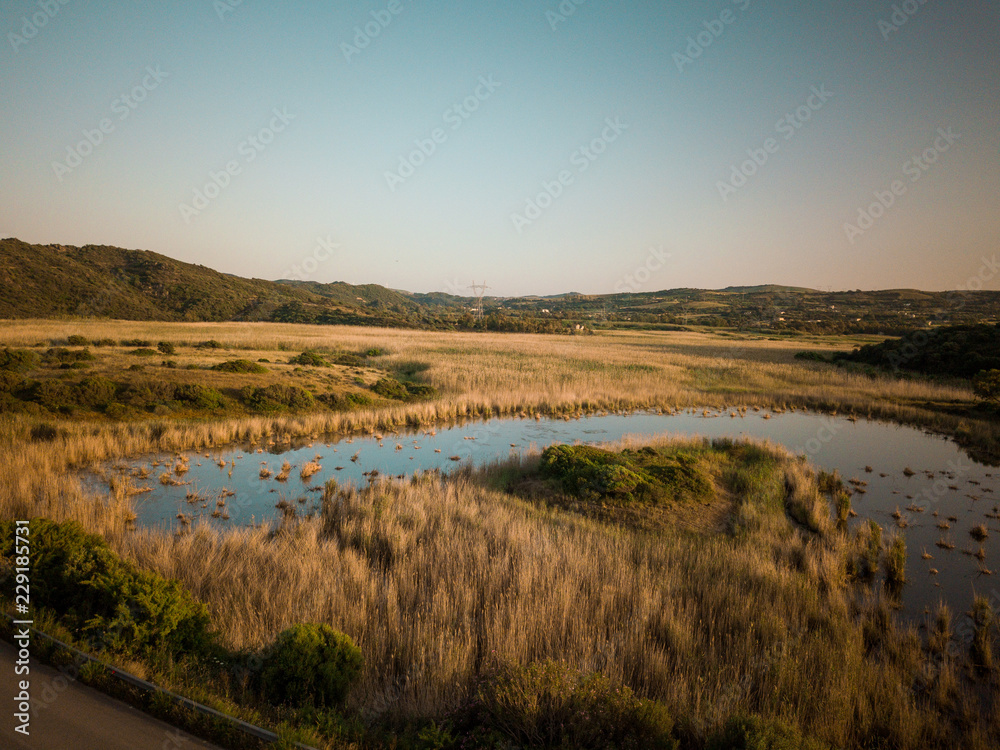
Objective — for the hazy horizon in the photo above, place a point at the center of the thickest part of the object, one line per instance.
(544, 148)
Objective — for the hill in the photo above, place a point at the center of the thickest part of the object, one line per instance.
(45, 281)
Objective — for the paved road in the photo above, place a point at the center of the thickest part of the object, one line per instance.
(70, 716)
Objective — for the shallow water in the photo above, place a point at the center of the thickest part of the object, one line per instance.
(946, 481)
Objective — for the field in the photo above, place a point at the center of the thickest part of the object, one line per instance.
(453, 588)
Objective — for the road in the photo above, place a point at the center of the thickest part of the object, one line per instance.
(68, 715)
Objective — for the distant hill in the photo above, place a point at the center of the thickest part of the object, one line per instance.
(98, 280)
(768, 289)
(47, 281)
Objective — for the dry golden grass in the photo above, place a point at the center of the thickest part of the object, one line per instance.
(437, 579)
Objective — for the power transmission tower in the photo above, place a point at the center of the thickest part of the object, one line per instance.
(478, 290)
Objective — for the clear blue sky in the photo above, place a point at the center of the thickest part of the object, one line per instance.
(531, 90)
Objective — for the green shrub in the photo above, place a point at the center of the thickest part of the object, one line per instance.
(103, 342)
(77, 340)
(419, 391)
(143, 352)
(104, 600)
(54, 395)
(987, 385)
(197, 395)
(358, 399)
(754, 733)
(166, 347)
(44, 433)
(310, 665)
(19, 360)
(147, 393)
(95, 392)
(239, 365)
(66, 357)
(589, 472)
(11, 382)
(136, 342)
(812, 357)
(312, 359)
(551, 704)
(390, 388)
(210, 344)
(349, 360)
(276, 397)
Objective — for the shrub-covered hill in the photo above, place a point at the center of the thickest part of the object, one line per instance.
(957, 351)
(96, 280)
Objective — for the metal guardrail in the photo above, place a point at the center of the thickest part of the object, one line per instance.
(251, 729)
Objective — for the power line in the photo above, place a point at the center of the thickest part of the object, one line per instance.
(478, 290)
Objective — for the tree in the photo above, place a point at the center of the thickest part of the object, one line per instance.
(986, 385)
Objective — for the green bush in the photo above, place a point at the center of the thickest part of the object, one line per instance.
(276, 397)
(54, 395)
(95, 392)
(77, 340)
(66, 357)
(986, 385)
(197, 395)
(147, 393)
(812, 356)
(390, 388)
(239, 365)
(11, 382)
(136, 342)
(104, 600)
(210, 344)
(143, 352)
(551, 704)
(312, 359)
(589, 472)
(754, 733)
(166, 347)
(349, 360)
(19, 360)
(310, 665)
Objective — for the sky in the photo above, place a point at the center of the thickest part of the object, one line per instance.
(538, 147)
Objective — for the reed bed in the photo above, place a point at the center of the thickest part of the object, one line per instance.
(437, 579)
